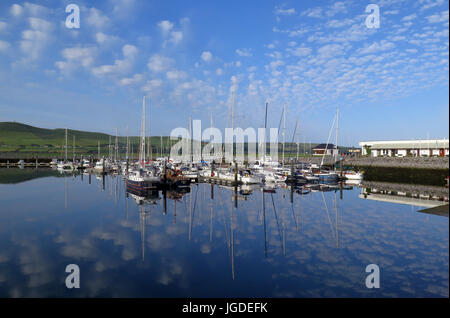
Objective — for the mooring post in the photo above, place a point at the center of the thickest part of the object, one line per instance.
(164, 171)
(165, 202)
(235, 172)
(292, 170)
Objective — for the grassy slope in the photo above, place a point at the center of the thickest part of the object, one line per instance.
(19, 139)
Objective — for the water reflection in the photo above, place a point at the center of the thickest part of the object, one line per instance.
(213, 241)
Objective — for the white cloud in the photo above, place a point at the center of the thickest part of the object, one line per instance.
(300, 51)
(176, 75)
(120, 66)
(153, 87)
(330, 50)
(206, 56)
(35, 39)
(339, 23)
(103, 38)
(280, 11)
(176, 37)
(40, 24)
(16, 10)
(383, 45)
(391, 12)
(219, 71)
(3, 26)
(337, 7)
(165, 26)
(4, 46)
(76, 57)
(129, 51)
(97, 19)
(84, 55)
(436, 18)
(244, 52)
(409, 17)
(313, 13)
(137, 78)
(159, 63)
(430, 4)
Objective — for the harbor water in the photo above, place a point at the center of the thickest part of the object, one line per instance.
(215, 241)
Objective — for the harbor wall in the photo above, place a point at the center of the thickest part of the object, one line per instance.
(388, 162)
(425, 171)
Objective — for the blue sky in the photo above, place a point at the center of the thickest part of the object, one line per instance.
(185, 56)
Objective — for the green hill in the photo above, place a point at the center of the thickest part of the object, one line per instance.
(21, 140)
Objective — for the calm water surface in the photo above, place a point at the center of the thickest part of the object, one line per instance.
(281, 244)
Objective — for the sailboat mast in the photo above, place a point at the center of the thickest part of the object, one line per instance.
(233, 96)
(142, 143)
(265, 133)
(298, 138)
(212, 146)
(65, 154)
(337, 130)
(192, 139)
(128, 143)
(116, 146)
(232, 106)
(284, 129)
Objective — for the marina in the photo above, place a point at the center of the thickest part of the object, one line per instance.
(224, 157)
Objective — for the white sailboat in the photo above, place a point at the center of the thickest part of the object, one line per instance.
(140, 179)
(65, 165)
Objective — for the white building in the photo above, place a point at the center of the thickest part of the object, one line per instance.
(404, 148)
(328, 149)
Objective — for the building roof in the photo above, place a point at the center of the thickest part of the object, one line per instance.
(324, 146)
(406, 144)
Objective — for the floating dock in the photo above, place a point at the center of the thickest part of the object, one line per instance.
(217, 180)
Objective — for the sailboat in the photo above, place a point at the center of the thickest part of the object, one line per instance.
(139, 179)
(65, 165)
(327, 176)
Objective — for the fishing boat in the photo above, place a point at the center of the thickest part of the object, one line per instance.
(353, 175)
(140, 180)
